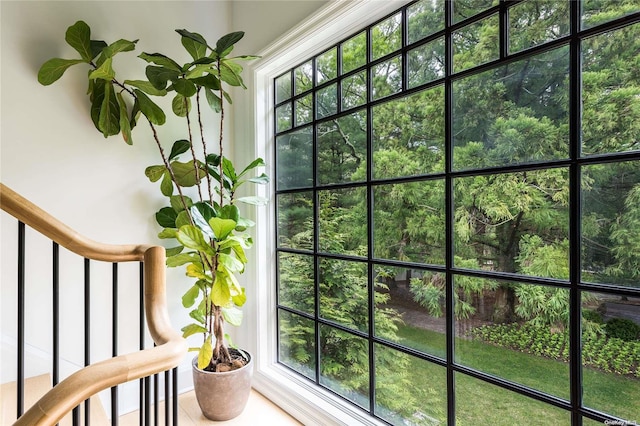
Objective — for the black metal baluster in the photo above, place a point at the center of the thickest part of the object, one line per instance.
(174, 401)
(167, 409)
(21, 308)
(114, 339)
(56, 314)
(155, 398)
(143, 383)
(87, 331)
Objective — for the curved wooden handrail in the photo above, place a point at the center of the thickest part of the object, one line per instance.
(171, 347)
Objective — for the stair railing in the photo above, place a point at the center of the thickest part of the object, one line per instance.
(67, 395)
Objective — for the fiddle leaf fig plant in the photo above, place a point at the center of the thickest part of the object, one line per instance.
(201, 187)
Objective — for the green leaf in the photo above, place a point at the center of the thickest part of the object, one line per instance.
(154, 173)
(150, 110)
(196, 270)
(244, 223)
(161, 60)
(194, 45)
(114, 48)
(213, 100)
(193, 36)
(177, 204)
(183, 219)
(220, 293)
(258, 162)
(232, 315)
(191, 329)
(222, 227)
(54, 68)
(166, 217)
(230, 77)
(125, 126)
(189, 298)
(96, 97)
(181, 105)
(179, 147)
(97, 46)
(173, 251)
(146, 87)
(105, 71)
(201, 222)
(205, 210)
(230, 263)
(191, 237)
(253, 200)
(185, 173)
(78, 36)
(159, 76)
(241, 298)
(230, 212)
(166, 186)
(263, 179)
(205, 354)
(227, 41)
(109, 120)
(168, 233)
(181, 259)
(209, 81)
(185, 87)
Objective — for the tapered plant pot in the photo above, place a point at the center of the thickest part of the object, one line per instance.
(222, 396)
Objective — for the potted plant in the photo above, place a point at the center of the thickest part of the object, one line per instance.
(202, 213)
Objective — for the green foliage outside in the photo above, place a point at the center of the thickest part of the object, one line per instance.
(514, 222)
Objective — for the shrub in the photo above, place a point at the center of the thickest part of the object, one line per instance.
(622, 328)
(592, 316)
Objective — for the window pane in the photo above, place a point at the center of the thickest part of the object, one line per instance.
(425, 18)
(295, 220)
(514, 114)
(297, 343)
(514, 222)
(342, 148)
(327, 66)
(408, 389)
(387, 78)
(354, 90)
(354, 52)
(611, 92)
(327, 101)
(481, 403)
(518, 332)
(343, 221)
(426, 63)
(401, 293)
(294, 159)
(344, 364)
(296, 283)
(535, 22)
(303, 77)
(283, 117)
(283, 87)
(304, 110)
(610, 223)
(409, 222)
(408, 135)
(344, 293)
(463, 9)
(596, 12)
(476, 44)
(611, 354)
(386, 37)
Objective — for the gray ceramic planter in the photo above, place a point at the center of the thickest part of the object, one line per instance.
(222, 396)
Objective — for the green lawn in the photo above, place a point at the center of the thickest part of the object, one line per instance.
(479, 403)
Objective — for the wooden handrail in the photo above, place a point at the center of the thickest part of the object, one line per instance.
(171, 347)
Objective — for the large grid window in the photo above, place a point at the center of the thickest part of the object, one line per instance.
(458, 214)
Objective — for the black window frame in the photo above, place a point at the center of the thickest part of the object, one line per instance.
(574, 163)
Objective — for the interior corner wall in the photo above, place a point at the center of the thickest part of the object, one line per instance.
(51, 153)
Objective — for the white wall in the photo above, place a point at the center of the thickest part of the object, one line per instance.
(51, 153)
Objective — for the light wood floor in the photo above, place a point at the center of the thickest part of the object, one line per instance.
(259, 411)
